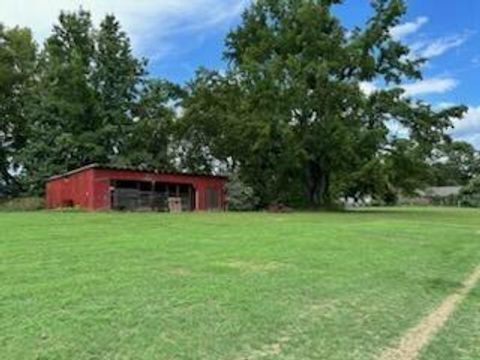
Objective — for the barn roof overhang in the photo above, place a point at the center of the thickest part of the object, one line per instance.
(132, 169)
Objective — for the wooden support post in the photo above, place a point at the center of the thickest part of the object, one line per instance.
(190, 197)
(113, 195)
(152, 195)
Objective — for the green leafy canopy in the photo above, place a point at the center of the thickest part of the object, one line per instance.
(290, 112)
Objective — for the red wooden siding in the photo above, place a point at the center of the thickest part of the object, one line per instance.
(72, 190)
(89, 187)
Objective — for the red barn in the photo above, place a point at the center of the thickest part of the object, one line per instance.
(97, 187)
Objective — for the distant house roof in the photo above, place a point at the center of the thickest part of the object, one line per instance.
(442, 191)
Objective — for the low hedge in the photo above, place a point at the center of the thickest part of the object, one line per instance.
(22, 204)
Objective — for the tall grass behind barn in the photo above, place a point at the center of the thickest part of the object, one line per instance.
(22, 204)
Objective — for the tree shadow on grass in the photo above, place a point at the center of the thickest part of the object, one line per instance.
(385, 211)
(442, 284)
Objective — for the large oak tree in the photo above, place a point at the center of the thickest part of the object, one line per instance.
(290, 112)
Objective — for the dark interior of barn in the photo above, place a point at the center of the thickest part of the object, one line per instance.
(157, 196)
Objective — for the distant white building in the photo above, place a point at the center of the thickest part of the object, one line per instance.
(440, 195)
(362, 201)
(442, 191)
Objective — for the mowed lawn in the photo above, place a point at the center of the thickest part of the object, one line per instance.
(234, 286)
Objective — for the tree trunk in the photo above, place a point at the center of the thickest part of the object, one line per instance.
(324, 194)
(317, 186)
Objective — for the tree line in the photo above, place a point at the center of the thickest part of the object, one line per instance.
(287, 120)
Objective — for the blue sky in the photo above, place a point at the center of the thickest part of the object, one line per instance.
(180, 35)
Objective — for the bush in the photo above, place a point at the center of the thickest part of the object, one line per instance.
(471, 201)
(389, 197)
(240, 196)
(470, 194)
(450, 200)
(22, 204)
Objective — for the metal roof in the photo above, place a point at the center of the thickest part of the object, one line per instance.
(126, 168)
(443, 191)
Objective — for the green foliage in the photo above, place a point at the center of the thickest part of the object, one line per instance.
(290, 113)
(22, 204)
(83, 98)
(89, 101)
(150, 142)
(206, 120)
(288, 117)
(473, 187)
(455, 163)
(240, 196)
(470, 194)
(117, 78)
(406, 166)
(17, 59)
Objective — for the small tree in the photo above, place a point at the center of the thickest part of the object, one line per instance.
(17, 62)
(240, 196)
(470, 194)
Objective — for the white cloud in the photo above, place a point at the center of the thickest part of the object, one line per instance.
(427, 49)
(150, 23)
(403, 30)
(435, 85)
(430, 86)
(468, 128)
(440, 46)
(397, 130)
(368, 88)
(445, 105)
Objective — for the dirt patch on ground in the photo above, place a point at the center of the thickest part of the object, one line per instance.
(315, 310)
(181, 272)
(418, 337)
(269, 350)
(250, 266)
(309, 315)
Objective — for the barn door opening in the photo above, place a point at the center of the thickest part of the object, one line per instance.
(151, 196)
(212, 199)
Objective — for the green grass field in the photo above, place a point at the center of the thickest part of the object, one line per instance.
(234, 286)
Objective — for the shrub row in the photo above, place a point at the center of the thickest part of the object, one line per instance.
(22, 204)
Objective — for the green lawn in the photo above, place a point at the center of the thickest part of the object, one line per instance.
(233, 286)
